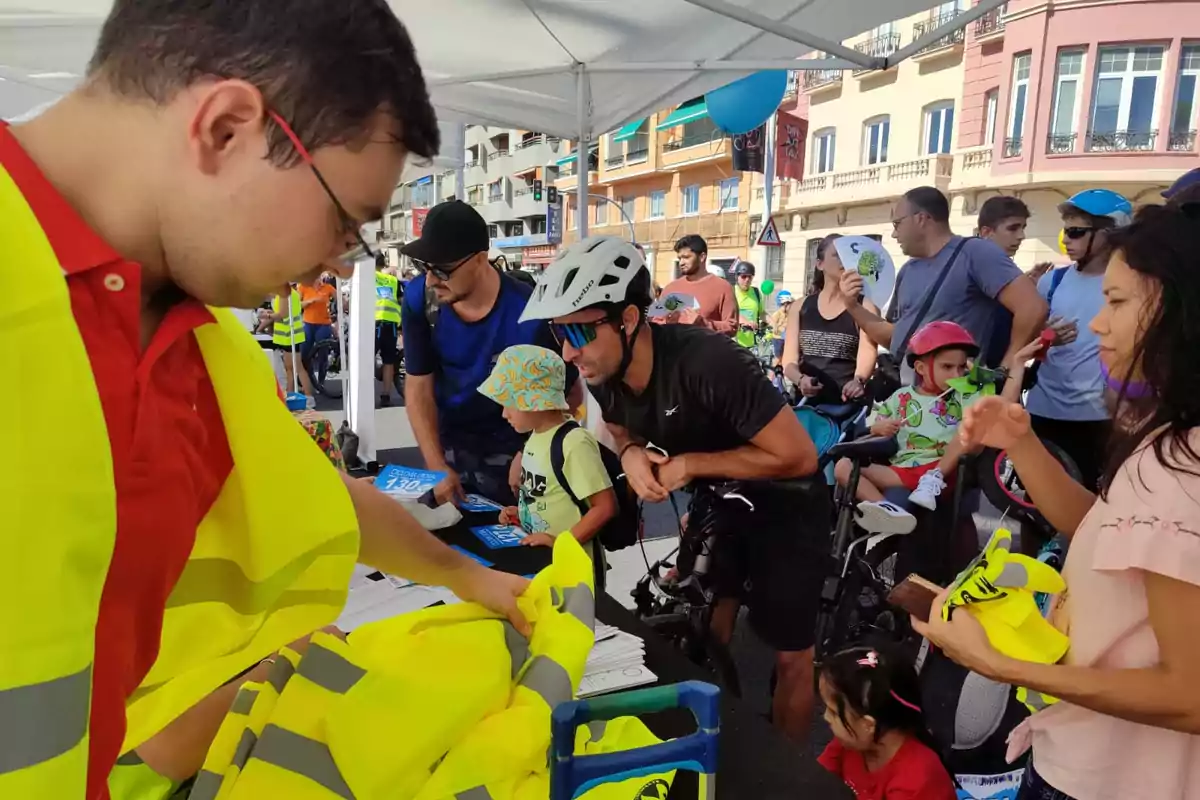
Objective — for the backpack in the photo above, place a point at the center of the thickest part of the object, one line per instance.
(622, 530)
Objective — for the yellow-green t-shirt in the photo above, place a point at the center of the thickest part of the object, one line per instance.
(545, 505)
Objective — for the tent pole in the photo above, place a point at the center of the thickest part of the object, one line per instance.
(769, 166)
(583, 146)
(460, 191)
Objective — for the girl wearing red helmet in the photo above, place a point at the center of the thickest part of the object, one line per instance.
(925, 418)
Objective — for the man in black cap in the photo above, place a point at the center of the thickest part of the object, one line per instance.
(459, 314)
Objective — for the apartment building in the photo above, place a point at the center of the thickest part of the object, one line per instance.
(499, 175)
(660, 178)
(1036, 99)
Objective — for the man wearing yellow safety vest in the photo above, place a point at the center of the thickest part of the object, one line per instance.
(387, 325)
(287, 337)
(169, 555)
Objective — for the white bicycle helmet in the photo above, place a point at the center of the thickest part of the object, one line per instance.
(591, 272)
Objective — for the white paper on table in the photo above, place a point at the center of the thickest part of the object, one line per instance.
(388, 601)
(615, 680)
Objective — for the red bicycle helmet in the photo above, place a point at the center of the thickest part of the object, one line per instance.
(940, 335)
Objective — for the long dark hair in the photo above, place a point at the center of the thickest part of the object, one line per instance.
(878, 683)
(818, 282)
(1163, 246)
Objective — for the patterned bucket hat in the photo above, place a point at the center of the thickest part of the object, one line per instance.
(528, 378)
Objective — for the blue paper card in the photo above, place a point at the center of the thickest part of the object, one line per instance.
(472, 556)
(407, 482)
(499, 536)
(478, 503)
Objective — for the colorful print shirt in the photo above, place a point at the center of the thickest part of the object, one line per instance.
(930, 423)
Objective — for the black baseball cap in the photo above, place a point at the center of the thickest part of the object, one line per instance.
(1185, 181)
(452, 231)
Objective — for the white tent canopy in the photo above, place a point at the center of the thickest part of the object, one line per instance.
(537, 64)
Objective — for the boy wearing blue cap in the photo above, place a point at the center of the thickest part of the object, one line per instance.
(530, 382)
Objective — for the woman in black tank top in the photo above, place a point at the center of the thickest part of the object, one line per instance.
(822, 333)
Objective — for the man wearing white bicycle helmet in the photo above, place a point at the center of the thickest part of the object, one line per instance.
(1067, 403)
(686, 407)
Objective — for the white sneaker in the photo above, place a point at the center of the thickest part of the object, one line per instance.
(311, 403)
(928, 489)
(884, 517)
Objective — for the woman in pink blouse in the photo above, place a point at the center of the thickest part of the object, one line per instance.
(1128, 724)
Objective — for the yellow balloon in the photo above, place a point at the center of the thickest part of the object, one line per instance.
(1062, 242)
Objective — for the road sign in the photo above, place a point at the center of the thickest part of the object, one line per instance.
(770, 235)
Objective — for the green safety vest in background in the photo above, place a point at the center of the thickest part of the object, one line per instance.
(290, 330)
(750, 308)
(387, 298)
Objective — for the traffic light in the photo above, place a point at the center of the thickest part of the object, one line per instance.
(537, 190)
(552, 195)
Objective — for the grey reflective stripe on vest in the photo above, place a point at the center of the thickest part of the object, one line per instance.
(596, 729)
(547, 677)
(221, 580)
(329, 670)
(580, 604)
(518, 647)
(244, 701)
(478, 793)
(206, 786)
(245, 747)
(43, 721)
(303, 756)
(281, 672)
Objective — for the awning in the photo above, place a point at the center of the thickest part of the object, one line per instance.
(690, 111)
(627, 132)
(570, 157)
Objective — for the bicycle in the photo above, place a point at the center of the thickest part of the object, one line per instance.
(764, 351)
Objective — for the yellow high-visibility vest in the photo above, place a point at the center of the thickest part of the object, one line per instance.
(290, 329)
(387, 298)
(263, 571)
(465, 702)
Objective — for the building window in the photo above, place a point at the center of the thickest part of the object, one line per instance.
(496, 191)
(1125, 99)
(514, 228)
(991, 101)
(601, 214)
(1068, 80)
(774, 265)
(728, 194)
(658, 204)
(537, 224)
(629, 208)
(939, 127)
(691, 199)
(824, 143)
(1019, 99)
(1183, 115)
(875, 140)
(493, 231)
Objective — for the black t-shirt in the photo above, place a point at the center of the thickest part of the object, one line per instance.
(706, 394)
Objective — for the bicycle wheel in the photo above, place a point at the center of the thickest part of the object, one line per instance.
(1002, 485)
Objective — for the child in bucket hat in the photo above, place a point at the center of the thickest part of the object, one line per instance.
(530, 383)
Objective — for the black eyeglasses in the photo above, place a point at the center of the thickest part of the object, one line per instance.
(1077, 231)
(349, 224)
(442, 272)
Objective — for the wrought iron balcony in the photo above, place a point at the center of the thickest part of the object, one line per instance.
(815, 78)
(615, 161)
(933, 23)
(1012, 147)
(1060, 143)
(991, 22)
(1181, 141)
(880, 46)
(688, 141)
(1120, 141)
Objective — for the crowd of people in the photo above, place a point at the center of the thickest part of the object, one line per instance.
(178, 569)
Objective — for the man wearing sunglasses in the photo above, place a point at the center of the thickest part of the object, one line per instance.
(459, 315)
(973, 282)
(217, 151)
(689, 407)
(1067, 404)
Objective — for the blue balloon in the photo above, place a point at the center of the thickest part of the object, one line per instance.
(743, 105)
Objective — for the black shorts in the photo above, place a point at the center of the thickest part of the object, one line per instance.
(775, 559)
(387, 342)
